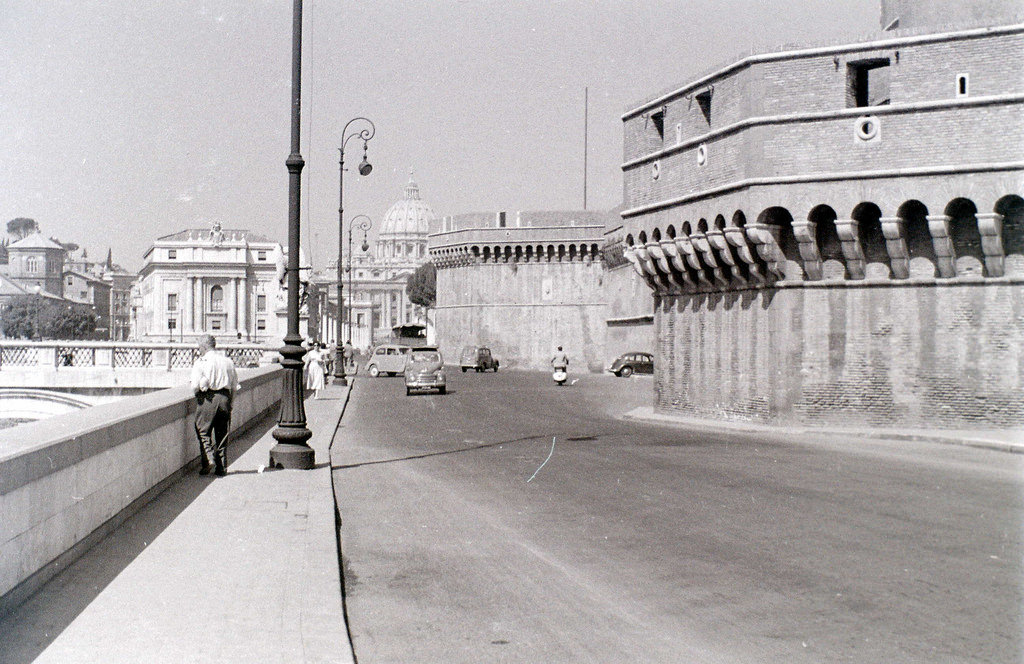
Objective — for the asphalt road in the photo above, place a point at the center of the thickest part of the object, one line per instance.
(514, 521)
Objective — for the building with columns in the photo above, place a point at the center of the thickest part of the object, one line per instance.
(218, 281)
(377, 302)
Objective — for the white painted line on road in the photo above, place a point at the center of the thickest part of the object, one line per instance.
(545, 460)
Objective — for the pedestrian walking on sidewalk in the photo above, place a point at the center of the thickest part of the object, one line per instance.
(214, 381)
(314, 360)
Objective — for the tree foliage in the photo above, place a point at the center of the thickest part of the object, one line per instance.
(422, 285)
(22, 227)
(28, 316)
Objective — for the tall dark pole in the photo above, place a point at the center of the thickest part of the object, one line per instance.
(364, 169)
(292, 449)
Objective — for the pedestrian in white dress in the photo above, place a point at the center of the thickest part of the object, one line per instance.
(314, 360)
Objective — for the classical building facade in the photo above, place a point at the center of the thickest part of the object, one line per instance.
(521, 284)
(835, 234)
(224, 282)
(377, 301)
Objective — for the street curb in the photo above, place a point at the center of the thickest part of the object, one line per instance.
(647, 414)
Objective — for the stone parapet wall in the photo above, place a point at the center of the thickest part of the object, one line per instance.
(930, 355)
(67, 481)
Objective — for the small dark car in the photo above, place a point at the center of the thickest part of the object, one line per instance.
(477, 358)
(628, 364)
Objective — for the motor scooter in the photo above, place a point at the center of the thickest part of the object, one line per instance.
(559, 375)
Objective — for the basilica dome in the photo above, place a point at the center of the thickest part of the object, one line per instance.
(409, 218)
(403, 232)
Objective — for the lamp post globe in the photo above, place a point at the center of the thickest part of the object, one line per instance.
(364, 168)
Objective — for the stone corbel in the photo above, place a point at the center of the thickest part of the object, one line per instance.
(938, 227)
(664, 266)
(893, 229)
(707, 254)
(735, 236)
(848, 231)
(688, 252)
(990, 224)
(765, 238)
(716, 238)
(629, 253)
(807, 242)
(676, 260)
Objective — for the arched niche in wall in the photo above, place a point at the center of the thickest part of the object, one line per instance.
(781, 221)
(920, 247)
(872, 241)
(965, 237)
(830, 249)
(1012, 210)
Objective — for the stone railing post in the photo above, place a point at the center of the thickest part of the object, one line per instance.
(990, 224)
(848, 231)
(945, 259)
(896, 246)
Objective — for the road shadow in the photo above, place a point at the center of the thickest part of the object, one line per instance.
(29, 629)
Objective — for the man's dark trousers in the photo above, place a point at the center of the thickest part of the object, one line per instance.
(213, 415)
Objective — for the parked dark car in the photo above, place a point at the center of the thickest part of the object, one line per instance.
(628, 364)
(477, 358)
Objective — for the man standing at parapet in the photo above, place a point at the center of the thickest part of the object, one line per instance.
(214, 381)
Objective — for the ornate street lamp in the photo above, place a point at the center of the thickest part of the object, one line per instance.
(365, 135)
(364, 225)
(292, 449)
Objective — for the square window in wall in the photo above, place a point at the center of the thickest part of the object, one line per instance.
(867, 83)
(261, 302)
(359, 320)
(261, 255)
(172, 302)
(215, 325)
(657, 120)
(261, 324)
(172, 254)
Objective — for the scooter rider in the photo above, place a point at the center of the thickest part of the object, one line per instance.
(560, 363)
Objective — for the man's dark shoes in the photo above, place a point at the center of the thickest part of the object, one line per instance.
(204, 470)
(220, 472)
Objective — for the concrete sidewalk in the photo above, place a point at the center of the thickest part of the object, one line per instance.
(1004, 440)
(242, 568)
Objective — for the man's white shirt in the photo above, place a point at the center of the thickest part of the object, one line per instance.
(214, 371)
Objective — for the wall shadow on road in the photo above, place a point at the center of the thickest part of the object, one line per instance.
(30, 629)
(427, 455)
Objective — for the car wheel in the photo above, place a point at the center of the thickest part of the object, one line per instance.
(465, 369)
(441, 390)
(495, 368)
(408, 391)
(374, 371)
(626, 372)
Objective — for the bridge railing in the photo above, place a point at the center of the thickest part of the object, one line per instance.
(119, 355)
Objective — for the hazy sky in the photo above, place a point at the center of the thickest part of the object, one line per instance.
(126, 120)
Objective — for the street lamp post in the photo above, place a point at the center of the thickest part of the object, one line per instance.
(364, 225)
(292, 449)
(365, 134)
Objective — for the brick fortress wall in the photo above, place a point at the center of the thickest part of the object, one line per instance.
(815, 259)
(521, 285)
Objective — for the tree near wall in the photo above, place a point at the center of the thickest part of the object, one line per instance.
(28, 316)
(422, 285)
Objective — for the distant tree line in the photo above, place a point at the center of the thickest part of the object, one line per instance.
(28, 317)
